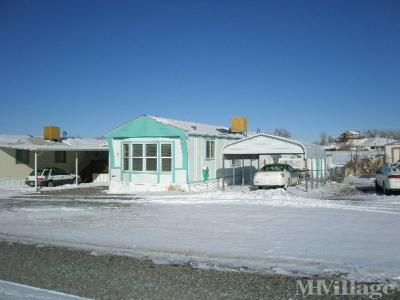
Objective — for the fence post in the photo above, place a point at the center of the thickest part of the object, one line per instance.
(242, 171)
(312, 175)
(306, 174)
(223, 172)
(251, 172)
(233, 175)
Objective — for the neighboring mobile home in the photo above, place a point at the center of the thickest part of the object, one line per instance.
(150, 153)
(18, 154)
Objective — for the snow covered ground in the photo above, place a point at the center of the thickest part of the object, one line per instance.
(342, 229)
(15, 291)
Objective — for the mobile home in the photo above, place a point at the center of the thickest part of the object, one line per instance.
(150, 153)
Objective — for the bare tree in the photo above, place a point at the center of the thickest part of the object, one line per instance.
(331, 140)
(323, 139)
(386, 133)
(283, 132)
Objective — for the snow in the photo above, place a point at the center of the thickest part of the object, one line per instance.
(342, 229)
(38, 143)
(16, 291)
(15, 191)
(371, 142)
(261, 144)
(195, 128)
(11, 192)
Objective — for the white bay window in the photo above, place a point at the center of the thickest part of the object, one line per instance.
(152, 157)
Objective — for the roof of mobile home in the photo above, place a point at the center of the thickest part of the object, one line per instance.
(270, 144)
(192, 128)
(27, 142)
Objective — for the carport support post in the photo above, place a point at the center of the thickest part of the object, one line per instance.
(312, 174)
(306, 175)
(223, 172)
(233, 175)
(251, 171)
(36, 185)
(242, 171)
(76, 168)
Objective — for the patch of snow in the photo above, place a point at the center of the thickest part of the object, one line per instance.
(334, 229)
(196, 128)
(74, 186)
(16, 291)
(10, 192)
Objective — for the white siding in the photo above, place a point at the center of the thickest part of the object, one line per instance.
(116, 144)
(264, 145)
(197, 157)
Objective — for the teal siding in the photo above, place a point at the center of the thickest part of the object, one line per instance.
(145, 127)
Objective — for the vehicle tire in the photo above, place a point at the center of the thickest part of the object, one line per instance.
(385, 190)
(377, 187)
(50, 184)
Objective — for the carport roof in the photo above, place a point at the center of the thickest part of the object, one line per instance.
(27, 142)
(270, 144)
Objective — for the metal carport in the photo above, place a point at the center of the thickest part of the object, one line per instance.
(253, 147)
(38, 145)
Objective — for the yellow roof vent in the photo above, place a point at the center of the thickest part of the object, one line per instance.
(239, 124)
(51, 133)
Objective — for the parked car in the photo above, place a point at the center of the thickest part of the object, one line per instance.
(51, 177)
(388, 178)
(276, 175)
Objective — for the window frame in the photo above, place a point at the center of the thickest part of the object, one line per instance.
(137, 157)
(210, 149)
(166, 157)
(236, 162)
(126, 157)
(150, 157)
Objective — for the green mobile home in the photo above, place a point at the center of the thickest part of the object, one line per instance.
(150, 153)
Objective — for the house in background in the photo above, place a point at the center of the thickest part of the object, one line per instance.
(349, 135)
(18, 154)
(392, 152)
(369, 144)
(150, 152)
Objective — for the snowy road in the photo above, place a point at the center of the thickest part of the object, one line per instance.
(267, 231)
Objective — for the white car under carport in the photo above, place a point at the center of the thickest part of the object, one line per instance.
(276, 175)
